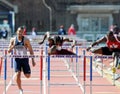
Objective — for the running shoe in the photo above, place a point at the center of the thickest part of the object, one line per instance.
(117, 76)
(21, 91)
(98, 60)
(118, 67)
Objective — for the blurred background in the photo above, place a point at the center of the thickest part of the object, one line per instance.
(91, 18)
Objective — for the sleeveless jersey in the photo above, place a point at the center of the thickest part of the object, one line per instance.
(113, 44)
(19, 47)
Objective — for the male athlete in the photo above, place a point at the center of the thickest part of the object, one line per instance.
(21, 44)
(55, 44)
(112, 47)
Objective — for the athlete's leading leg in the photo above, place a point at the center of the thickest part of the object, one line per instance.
(18, 73)
(65, 52)
(98, 51)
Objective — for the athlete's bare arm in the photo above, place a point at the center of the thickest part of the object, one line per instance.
(101, 40)
(29, 47)
(47, 34)
(11, 45)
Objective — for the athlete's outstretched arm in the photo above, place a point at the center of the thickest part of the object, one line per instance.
(101, 40)
(11, 45)
(47, 34)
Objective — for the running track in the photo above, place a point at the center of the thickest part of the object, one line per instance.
(62, 80)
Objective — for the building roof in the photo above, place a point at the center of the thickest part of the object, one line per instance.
(9, 6)
(94, 8)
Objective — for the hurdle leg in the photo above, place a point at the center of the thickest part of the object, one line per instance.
(91, 74)
(115, 63)
(48, 74)
(102, 67)
(78, 71)
(12, 67)
(41, 77)
(41, 71)
(0, 65)
(84, 74)
(5, 72)
(44, 72)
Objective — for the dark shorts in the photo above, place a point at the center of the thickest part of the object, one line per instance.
(53, 50)
(64, 52)
(22, 64)
(107, 51)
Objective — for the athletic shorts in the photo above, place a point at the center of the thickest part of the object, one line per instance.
(107, 51)
(22, 64)
(64, 52)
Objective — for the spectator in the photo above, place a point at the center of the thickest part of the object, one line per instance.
(71, 30)
(4, 33)
(33, 31)
(61, 31)
(25, 30)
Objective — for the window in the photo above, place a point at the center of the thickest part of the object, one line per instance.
(104, 24)
(94, 23)
(85, 24)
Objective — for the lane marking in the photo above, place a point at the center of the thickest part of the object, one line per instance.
(74, 76)
(107, 92)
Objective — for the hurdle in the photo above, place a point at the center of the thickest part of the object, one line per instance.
(104, 57)
(5, 72)
(91, 75)
(65, 57)
(41, 70)
(11, 57)
(84, 74)
(114, 70)
(48, 60)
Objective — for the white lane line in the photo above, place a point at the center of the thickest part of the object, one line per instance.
(74, 76)
(10, 82)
